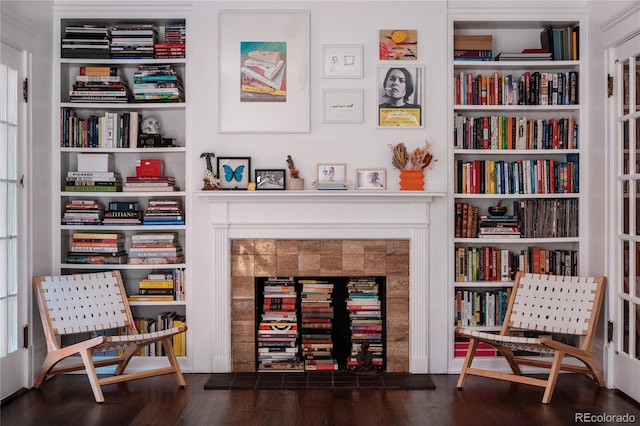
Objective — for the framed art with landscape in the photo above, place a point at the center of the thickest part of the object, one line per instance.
(264, 72)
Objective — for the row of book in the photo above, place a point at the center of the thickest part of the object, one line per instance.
(163, 321)
(531, 218)
(530, 88)
(491, 263)
(92, 212)
(112, 182)
(109, 130)
(161, 286)
(365, 316)
(278, 334)
(525, 133)
(481, 307)
(317, 313)
(527, 176)
(127, 41)
(109, 248)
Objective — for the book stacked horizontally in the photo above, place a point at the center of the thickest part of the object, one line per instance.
(526, 55)
(149, 183)
(123, 213)
(86, 41)
(163, 212)
(156, 287)
(278, 348)
(263, 72)
(83, 212)
(100, 83)
(97, 248)
(317, 325)
(507, 226)
(472, 47)
(174, 45)
(157, 83)
(365, 314)
(79, 181)
(133, 41)
(155, 249)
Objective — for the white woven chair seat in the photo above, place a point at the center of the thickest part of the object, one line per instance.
(120, 342)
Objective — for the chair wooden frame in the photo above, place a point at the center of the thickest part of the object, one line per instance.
(92, 304)
(545, 304)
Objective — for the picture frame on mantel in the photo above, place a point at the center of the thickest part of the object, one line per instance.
(234, 172)
(260, 41)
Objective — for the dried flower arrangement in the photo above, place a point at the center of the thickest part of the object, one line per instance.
(416, 160)
(293, 172)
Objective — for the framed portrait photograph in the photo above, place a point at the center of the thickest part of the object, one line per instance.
(264, 71)
(343, 106)
(400, 96)
(397, 45)
(270, 179)
(332, 172)
(342, 61)
(234, 172)
(371, 178)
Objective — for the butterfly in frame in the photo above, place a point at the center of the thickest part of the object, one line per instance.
(230, 174)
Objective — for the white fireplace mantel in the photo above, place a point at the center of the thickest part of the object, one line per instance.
(321, 215)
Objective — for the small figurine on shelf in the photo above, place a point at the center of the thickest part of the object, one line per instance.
(296, 182)
(211, 181)
(365, 360)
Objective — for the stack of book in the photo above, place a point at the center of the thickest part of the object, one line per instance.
(83, 212)
(79, 181)
(100, 83)
(157, 287)
(472, 47)
(97, 248)
(507, 226)
(332, 186)
(157, 83)
(526, 55)
(123, 213)
(263, 72)
(365, 314)
(163, 212)
(133, 41)
(174, 45)
(317, 325)
(155, 249)
(86, 41)
(278, 329)
(149, 184)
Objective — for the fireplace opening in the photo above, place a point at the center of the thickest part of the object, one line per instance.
(320, 323)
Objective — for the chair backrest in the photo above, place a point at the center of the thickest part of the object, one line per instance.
(556, 304)
(82, 303)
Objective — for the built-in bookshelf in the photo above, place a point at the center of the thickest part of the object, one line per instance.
(122, 157)
(517, 138)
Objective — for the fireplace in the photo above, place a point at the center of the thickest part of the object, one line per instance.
(319, 233)
(252, 258)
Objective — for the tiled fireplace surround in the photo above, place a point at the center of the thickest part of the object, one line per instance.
(323, 234)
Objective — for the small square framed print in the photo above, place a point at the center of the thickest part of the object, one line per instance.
(343, 106)
(270, 179)
(342, 61)
(332, 172)
(234, 172)
(371, 178)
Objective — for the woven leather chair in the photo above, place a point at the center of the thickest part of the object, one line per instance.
(90, 306)
(544, 304)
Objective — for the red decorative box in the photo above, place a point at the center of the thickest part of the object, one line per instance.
(146, 168)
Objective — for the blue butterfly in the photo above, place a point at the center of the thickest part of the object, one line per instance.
(230, 174)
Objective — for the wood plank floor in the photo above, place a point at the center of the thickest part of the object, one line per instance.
(68, 400)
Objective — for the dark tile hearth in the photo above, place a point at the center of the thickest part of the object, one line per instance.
(318, 380)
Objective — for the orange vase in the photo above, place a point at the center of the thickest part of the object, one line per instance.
(412, 180)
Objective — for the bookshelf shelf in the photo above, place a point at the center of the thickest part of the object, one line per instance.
(123, 153)
(476, 85)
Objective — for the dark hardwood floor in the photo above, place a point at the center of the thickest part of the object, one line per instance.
(67, 400)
